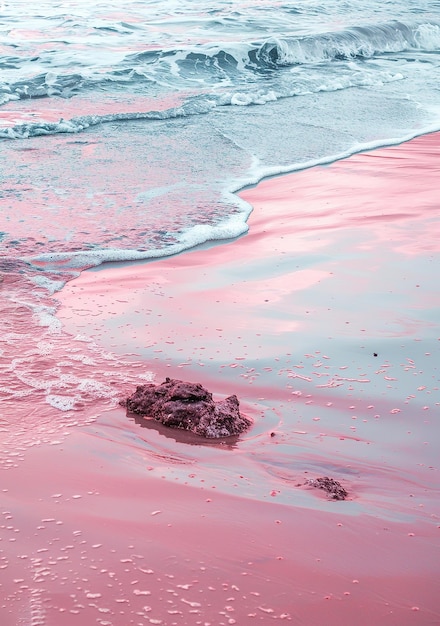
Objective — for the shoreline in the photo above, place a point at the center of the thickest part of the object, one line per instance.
(242, 190)
(104, 258)
(308, 230)
(323, 320)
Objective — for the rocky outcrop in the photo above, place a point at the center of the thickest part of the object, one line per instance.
(334, 489)
(188, 406)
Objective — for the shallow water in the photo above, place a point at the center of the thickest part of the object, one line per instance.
(126, 129)
(128, 126)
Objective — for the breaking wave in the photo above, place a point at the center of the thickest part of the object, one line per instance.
(352, 43)
(219, 64)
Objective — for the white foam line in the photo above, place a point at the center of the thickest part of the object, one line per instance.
(231, 228)
(270, 172)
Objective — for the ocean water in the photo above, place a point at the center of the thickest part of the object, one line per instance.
(127, 127)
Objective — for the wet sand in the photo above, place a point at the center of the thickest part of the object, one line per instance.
(323, 319)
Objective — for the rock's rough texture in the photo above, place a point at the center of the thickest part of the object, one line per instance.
(189, 406)
(333, 488)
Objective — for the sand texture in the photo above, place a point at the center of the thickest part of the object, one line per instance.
(324, 321)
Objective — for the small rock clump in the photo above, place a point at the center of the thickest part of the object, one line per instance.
(188, 406)
(334, 489)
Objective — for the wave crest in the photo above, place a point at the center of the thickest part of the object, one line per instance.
(352, 43)
(227, 64)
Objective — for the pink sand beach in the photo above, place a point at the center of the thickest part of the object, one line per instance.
(324, 320)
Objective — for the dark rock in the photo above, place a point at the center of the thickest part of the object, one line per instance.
(333, 488)
(188, 406)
